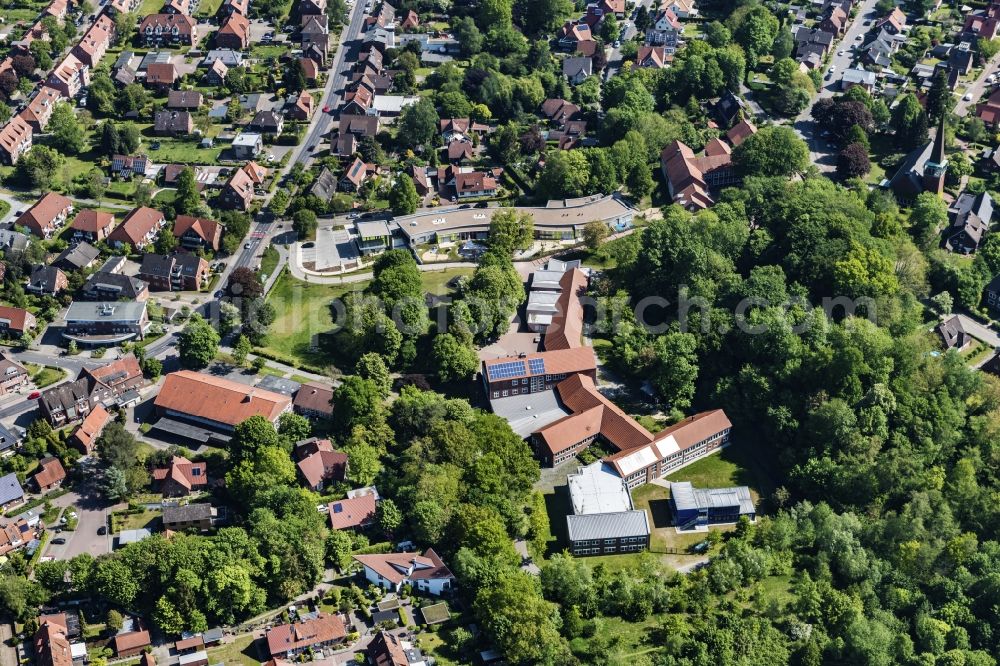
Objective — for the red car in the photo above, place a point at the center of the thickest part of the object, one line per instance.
(34, 395)
(326, 108)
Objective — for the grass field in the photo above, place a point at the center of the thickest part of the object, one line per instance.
(122, 521)
(46, 376)
(241, 651)
(628, 642)
(269, 262)
(150, 7)
(303, 311)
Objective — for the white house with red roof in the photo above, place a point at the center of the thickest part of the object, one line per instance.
(426, 573)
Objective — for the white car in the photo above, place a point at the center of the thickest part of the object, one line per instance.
(968, 97)
(833, 68)
(840, 53)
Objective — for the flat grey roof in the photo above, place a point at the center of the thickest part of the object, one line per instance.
(529, 412)
(188, 431)
(373, 229)
(687, 497)
(597, 488)
(279, 385)
(568, 213)
(101, 311)
(608, 525)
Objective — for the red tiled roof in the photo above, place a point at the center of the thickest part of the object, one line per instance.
(90, 429)
(136, 226)
(188, 643)
(130, 641)
(182, 471)
(352, 512)
(567, 324)
(51, 644)
(52, 472)
(397, 567)
(322, 466)
(40, 217)
(325, 628)
(19, 318)
(92, 221)
(209, 231)
(593, 414)
(315, 397)
(218, 399)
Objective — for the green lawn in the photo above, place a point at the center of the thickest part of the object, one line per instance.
(262, 51)
(122, 521)
(738, 464)
(47, 376)
(184, 151)
(241, 651)
(208, 7)
(303, 311)
(269, 262)
(150, 7)
(4, 208)
(626, 640)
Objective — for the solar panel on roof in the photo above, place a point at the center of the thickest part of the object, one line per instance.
(506, 370)
(537, 366)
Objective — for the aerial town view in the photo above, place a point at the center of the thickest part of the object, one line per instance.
(482, 332)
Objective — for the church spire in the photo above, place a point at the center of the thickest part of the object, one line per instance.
(937, 154)
(936, 165)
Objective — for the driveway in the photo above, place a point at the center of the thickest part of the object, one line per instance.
(976, 89)
(92, 511)
(979, 331)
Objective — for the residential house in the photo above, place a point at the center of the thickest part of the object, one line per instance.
(11, 492)
(199, 516)
(571, 34)
(180, 477)
(314, 400)
(13, 243)
(858, 77)
(104, 323)
(559, 111)
(310, 68)
(460, 151)
(319, 464)
(184, 100)
(201, 407)
(359, 125)
(195, 232)
(161, 76)
(373, 236)
(353, 512)
(15, 321)
(699, 507)
(172, 123)
(953, 334)
(51, 642)
(70, 76)
(315, 31)
(177, 7)
(325, 185)
(812, 37)
(92, 225)
(354, 176)
(247, 145)
(682, 9)
(461, 129)
(107, 286)
(193, 644)
(38, 111)
(126, 166)
(13, 375)
(387, 649)
(960, 59)
(983, 23)
(410, 22)
(76, 257)
(130, 643)
(230, 7)
(217, 73)
(15, 140)
(576, 69)
(426, 573)
(238, 191)
(304, 106)
(113, 384)
(665, 31)
(971, 216)
(835, 21)
(46, 281)
(285, 641)
(894, 22)
(268, 122)
(84, 438)
(161, 29)
(991, 294)
(358, 102)
(96, 41)
(923, 170)
(472, 184)
(47, 215)
(176, 272)
(312, 7)
(234, 33)
(989, 111)
(51, 474)
(139, 229)
(653, 56)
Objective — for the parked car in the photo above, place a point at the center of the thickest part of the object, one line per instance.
(102, 530)
(58, 541)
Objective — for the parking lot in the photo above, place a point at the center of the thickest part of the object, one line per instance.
(332, 246)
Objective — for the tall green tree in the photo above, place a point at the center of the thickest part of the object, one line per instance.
(198, 343)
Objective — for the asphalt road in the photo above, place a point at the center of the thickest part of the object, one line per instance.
(92, 513)
(318, 128)
(977, 88)
(615, 54)
(824, 155)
